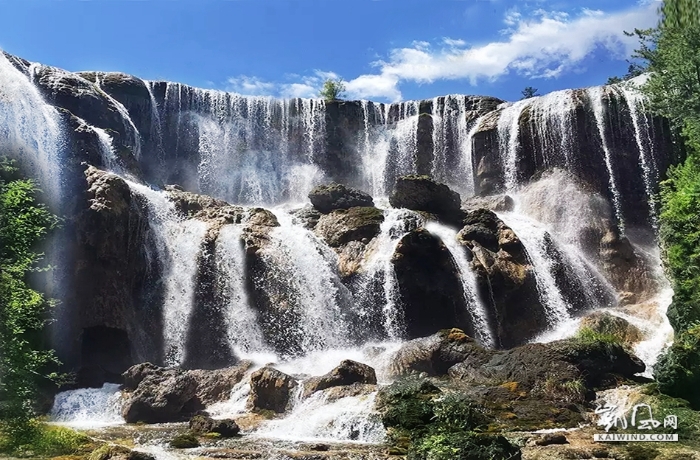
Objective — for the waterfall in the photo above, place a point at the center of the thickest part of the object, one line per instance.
(552, 125)
(508, 142)
(452, 136)
(635, 102)
(179, 244)
(379, 274)
(375, 148)
(534, 238)
(88, 407)
(129, 126)
(156, 124)
(314, 289)
(243, 328)
(477, 310)
(31, 131)
(595, 96)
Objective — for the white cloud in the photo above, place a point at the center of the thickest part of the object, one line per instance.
(250, 86)
(543, 44)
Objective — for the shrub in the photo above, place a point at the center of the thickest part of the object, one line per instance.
(588, 336)
(463, 446)
(333, 90)
(678, 369)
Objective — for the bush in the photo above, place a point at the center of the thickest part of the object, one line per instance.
(463, 446)
(41, 439)
(333, 90)
(588, 336)
(678, 369)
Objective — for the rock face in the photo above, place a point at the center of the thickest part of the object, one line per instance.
(347, 373)
(431, 291)
(327, 198)
(271, 390)
(158, 395)
(505, 278)
(421, 193)
(605, 323)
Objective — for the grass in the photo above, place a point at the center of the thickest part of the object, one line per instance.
(588, 336)
(44, 440)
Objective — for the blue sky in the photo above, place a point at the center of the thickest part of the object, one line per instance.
(384, 50)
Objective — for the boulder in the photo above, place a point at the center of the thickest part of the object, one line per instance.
(355, 224)
(436, 354)
(327, 198)
(308, 216)
(115, 452)
(271, 390)
(160, 397)
(202, 424)
(605, 323)
(184, 441)
(347, 391)
(156, 395)
(497, 203)
(421, 193)
(347, 373)
(549, 439)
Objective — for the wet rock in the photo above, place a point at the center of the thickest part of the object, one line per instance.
(430, 286)
(605, 323)
(114, 452)
(355, 224)
(155, 394)
(202, 424)
(160, 397)
(436, 354)
(497, 203)
(271, 390)
(421, 193)
(327, 198)
(308, 216)
(184, 441)
(216, 385)
(347, 373)
(551, 439)
(347, 391)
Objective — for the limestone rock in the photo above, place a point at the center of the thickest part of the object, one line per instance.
(327, 198)
(202, 424)
(355, 224)
(436, 354)
(497, 203)
(271, 390)
(160, 397)
(347, 373)
(421, 193)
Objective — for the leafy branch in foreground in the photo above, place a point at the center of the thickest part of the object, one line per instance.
(24, 361)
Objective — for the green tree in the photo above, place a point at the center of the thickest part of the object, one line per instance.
(24, 363)
(673, 90)
(529, 92)
(333, 90)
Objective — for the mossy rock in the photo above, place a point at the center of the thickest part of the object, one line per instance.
(184, 441)
(114, 452)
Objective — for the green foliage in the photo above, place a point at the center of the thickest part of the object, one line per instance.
(23, 363)
(40, 439)
(634, 70)
(678, 370)
(437, 426)
(463, 446)
(638, 452)
(588, 336)
(529, 92)
(333, 90)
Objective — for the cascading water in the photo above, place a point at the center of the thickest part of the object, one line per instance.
(179, 244)
(534, 238)
(88, 407)
(508, 142)
(129, 126)
(477, 310)
(380, 271)
(552, 123)
(595, 96)
(243, 328)
(30, 130)
(313, 288)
